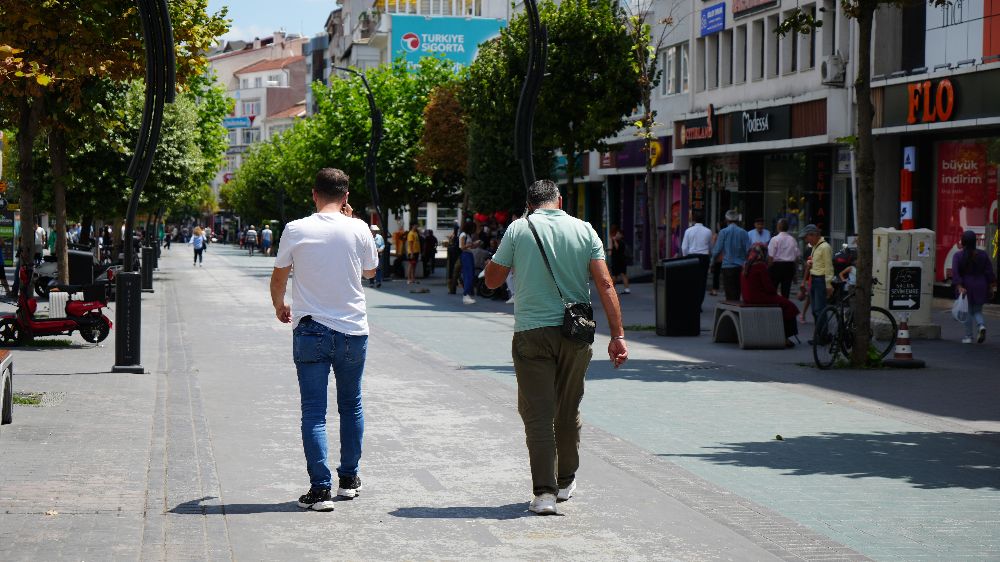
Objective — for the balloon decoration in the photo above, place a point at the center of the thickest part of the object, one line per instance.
(481, 218)
(501, 216)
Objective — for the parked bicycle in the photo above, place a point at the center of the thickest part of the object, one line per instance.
(834, 335)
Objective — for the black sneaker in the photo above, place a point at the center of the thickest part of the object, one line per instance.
(350, 487)
(318, 499)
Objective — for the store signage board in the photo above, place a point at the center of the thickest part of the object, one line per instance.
(743, 8)
(904, 285)
(960, 97)
(236, 123)
(772, 123)
(697, 132)
(713, 19)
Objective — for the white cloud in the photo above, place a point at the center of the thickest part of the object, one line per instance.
(247, 32)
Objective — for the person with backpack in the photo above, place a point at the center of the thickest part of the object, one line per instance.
(973, 277)
(199, 242)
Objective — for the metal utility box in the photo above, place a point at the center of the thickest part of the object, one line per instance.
(896, 251)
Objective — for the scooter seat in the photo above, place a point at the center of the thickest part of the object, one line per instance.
(68, 288)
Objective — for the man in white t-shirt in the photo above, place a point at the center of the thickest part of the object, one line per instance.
(330, 252)
(697, 242)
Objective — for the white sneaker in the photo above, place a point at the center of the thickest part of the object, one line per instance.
(567, 492)
(466, 299)
(510, 300)
(543, 504)
(967, 339)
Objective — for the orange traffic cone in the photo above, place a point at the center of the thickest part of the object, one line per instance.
(902, 355)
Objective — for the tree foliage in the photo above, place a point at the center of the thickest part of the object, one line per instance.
(279, 172)
(590, 88)
(444, 147)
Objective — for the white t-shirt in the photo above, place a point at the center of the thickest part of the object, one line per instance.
(328, 253)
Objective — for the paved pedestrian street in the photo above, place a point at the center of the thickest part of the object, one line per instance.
(201, 458)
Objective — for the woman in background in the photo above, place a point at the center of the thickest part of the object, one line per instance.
(972, 275)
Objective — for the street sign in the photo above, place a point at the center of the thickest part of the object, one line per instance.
(904, 285)
(237, 122)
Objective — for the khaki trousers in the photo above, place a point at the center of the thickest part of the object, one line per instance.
(550, 373)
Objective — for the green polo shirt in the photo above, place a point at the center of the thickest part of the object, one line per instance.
(570, 244)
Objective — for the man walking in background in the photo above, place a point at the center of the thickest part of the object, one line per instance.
(697, 242)
(266, 237)
(549, 367)
(330, 252)
(733, 244)
(759, 234)
(251, 241)
(821, 271)
(783, 254)
(380, 248)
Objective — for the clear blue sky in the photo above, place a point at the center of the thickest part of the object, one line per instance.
(259, 18)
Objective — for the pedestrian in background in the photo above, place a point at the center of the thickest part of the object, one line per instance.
(454, 260)
(733, 244)
(697, 242)
(467, 242)
(758, 234)
(251, 239)
(330, 252)
(619, 258)
(757, 288)
(821, 272)
(973, 276)
(428, 251)
(412, 254)
(3, 270)
(550, 368)
(266, 237)
(783, 255)
(199, 243)
(380, 249)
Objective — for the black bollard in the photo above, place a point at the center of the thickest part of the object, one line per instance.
(147, 269)
(128, 323)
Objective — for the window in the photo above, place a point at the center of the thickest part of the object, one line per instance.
(757, 52)
(274, 80)
(726, 57)
(700, 65)
(234, 138)
(251, 107)
(251, 136)
(811, 62)
(258, 82)
(673, 67)
(278, 129)
(712, 61)
(772, 49)
(230, 163)
(829, 29)
(244, 83)
(789, 50)
(740, 55)
(447, 218)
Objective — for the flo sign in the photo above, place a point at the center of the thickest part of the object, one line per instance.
(455, 38)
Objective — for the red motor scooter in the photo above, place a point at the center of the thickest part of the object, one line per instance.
(82, 316)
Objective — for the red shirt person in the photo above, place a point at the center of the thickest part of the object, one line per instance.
(756, 287)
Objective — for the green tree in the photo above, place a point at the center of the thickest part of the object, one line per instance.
(444, 145)
(590, 88)
(863, 11)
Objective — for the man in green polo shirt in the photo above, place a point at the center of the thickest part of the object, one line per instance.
(551, 369)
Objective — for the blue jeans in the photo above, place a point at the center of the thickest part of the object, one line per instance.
(315, 349)
(975, 319)
(817, 295)
(468, 274)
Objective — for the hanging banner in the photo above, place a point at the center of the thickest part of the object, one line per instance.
(966, 194)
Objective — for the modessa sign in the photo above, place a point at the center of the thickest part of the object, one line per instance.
(454, 38)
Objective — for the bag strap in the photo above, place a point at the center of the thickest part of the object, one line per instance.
(545, 258)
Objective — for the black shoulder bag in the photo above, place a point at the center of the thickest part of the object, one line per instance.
(578, 318)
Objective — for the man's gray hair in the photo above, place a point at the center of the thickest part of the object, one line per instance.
(542, 192)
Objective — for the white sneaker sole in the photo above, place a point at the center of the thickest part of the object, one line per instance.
(318, 506)
(349, 492)
(566, 493)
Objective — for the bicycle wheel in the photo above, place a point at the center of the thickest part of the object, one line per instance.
(883, 331)
(826, 338)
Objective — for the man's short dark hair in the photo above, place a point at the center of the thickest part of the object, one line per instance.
(332, 183)
(698, 216)
(542, 192)
(782, 225)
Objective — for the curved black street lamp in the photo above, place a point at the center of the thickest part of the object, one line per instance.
(524, 124)
(376, 140)
(158, 36)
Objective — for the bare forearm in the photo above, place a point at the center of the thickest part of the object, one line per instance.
(277, 291)
(612, 308)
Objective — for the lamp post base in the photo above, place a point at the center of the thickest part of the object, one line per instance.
(134, 369)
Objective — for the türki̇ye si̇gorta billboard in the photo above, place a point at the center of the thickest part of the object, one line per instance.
(455, 38)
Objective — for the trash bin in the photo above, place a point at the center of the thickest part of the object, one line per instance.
(81, 267)
(677, 298)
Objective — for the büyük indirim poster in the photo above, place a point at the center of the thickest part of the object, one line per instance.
(966, 197)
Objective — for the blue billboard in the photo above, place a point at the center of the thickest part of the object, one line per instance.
(455, 38)
(713, 19)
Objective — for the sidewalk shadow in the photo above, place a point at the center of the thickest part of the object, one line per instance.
(643, 370)
(923, 459)
(499, 513)
(196, 507)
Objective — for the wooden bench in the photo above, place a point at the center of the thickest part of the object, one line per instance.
(753, 326)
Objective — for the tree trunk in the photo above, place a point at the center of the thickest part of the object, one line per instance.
(57, 156)
(866, 187)
(29, 116)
